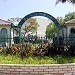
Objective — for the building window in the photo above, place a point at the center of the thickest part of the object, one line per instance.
(73, 30)
(3, 36)
(3, 32)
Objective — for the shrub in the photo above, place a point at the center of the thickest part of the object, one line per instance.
(6, 51)
(19, 49)
(26, 51)
(29, 50)
(41, 50)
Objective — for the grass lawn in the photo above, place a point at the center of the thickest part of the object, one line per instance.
(8, 59)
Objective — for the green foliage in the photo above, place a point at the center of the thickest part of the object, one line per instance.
(69, 16)
(44, 54)
(30, 50)
(60, 20)
(41, 50)
(26, 51)
(20, 50)
(12, 50)
(6, 51)
(50, 29)
(33, 24)
(8, 59)
(59, 59)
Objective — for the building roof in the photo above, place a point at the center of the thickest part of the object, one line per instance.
(70, 22)
(5, 23)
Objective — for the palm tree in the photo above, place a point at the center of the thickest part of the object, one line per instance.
(63, 1)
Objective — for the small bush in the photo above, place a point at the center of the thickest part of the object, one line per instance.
(41, 50)
(26, 51)
(29, 50)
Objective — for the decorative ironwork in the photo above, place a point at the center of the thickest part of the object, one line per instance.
(38, 14)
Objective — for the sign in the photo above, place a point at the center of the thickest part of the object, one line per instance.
(38, 14)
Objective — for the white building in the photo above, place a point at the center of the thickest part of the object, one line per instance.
(68, 31)
(8, 30)
(42, 26)
(5, 32)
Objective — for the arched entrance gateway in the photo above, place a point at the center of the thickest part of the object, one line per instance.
(39, 14)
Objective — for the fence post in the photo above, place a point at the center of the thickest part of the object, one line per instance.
(19, 35)
(57, 36)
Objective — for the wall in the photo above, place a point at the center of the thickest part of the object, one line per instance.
(8, 33)
(53, 69)
(68, 29)
(8, 29)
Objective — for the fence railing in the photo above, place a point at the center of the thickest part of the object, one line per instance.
(40, 40)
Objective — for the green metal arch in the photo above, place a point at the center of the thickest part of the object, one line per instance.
(58, 26)
(38, 14)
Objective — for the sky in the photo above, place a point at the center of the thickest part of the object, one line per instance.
(21, 8)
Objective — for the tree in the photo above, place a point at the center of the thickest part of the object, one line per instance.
(33, 25)
(60, 20)
(69, 16)
(50, 29)
(63, 1)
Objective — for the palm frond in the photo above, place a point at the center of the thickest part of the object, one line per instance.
(63, 1)
(60, 1)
